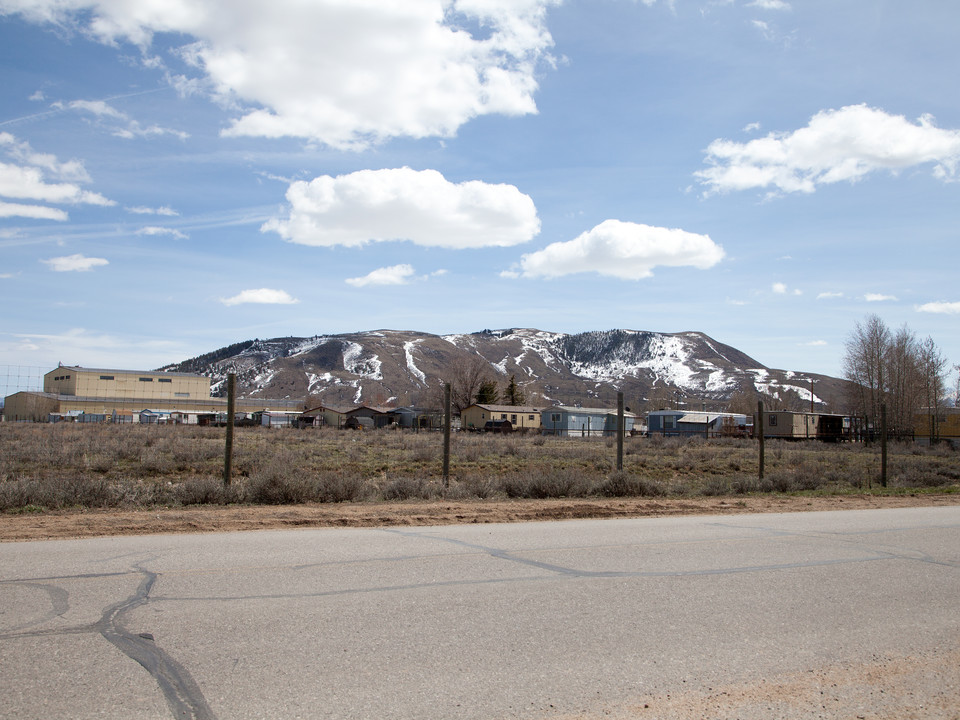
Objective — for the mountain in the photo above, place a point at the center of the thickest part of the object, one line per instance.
(386, 367)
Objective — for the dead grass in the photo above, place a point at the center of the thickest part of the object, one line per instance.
(48, 467)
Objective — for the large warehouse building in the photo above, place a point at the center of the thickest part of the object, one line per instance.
(73, 391)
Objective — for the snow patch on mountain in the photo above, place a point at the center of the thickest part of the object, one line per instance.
(355, 363)
(411, 365)
(313, 380)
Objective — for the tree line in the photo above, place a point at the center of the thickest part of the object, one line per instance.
(898, 370)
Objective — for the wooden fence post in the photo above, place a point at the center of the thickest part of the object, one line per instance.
(446, 435)
(231, 410)
(758, 428)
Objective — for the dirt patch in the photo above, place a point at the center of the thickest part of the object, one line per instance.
(98, 523)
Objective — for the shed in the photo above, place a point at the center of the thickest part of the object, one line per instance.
(569, 421)
(703, 424)
(359, 423)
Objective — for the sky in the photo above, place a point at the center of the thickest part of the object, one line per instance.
(180, 175)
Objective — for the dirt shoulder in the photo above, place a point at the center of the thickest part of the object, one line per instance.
(100, 523)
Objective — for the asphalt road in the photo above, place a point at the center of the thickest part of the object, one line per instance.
(839, 614)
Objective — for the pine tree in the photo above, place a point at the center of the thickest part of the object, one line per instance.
(488, 394)
(514, 395)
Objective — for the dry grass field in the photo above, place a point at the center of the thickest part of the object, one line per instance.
(48, 467)
(59, 481)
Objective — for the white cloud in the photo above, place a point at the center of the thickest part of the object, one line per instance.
(27, 183)
(343, 73)
(74, 263)
(815, 343)
(751, 127)
(404, 204)
(625, 250)
(262, 296)
(780, 288)
(24, 154)
(770, 4)
(37, 212)
(877, 297)
(123, 126)
(393, 275)
(154, 230)
(836, 145)
(27, 179)
(829, 295)
(143, 210)
(945, 308)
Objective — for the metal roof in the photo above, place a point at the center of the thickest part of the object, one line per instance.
(77, 368)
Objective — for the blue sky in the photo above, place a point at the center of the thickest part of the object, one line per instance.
(179, 175)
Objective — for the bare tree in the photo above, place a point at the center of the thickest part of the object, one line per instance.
(466, 377)
(933, 377)
(903, 388)
(865, 364)
(744, 400)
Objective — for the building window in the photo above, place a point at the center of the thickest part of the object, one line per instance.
(668, 422)
(165, 380)
(773, 421)
(554, 417)
(106, 377)
(503, 416)
(531, 417)
(513, 418)
(181, 394)
(146, 379)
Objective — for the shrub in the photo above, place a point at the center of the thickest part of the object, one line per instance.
(407, 488)
(542, 483)
(623, 484)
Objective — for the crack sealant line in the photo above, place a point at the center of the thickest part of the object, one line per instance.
(182, 693)
(573, 572)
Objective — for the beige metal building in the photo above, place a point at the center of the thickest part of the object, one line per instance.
(70, 391)
(124, 384)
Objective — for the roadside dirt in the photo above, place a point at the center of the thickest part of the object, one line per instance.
(99, 523)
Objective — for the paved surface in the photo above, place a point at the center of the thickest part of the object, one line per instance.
(840, 614)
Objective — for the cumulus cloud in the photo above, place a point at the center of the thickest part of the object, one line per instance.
(74, 263)
(27, 178)
(625, 250)
(878, 297)
(153, 230)
(347, 74)
(944, 308)
(393, 275)
(261, 296)
(404, 204)
(837, 145)
(780, 288)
